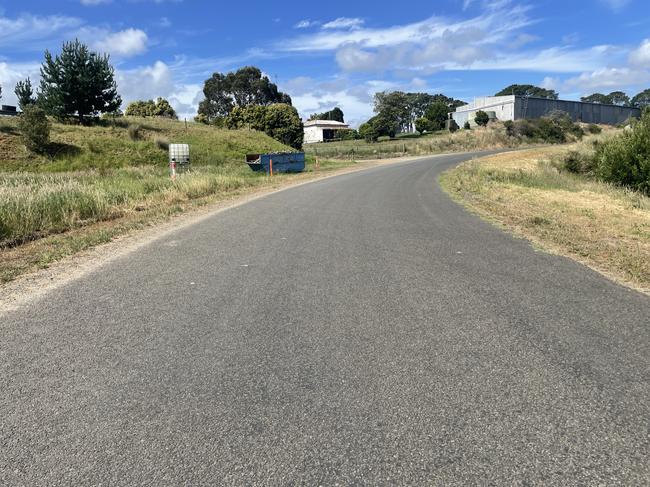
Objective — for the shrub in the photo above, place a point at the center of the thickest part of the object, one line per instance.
(35, 127)
(467, 126)
(161, 143)
(134, 132)
(625, 159)
(347, 134)
(579, 162)
(368, 132)
(594, 129)
(453, 126)
(481, 118)
(510, 128)
(422, 125)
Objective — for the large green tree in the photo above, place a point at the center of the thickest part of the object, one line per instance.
(78, 82)
(437, 114)
(335, 114)
(528, 90)
(279, 120)
(642, 99)
(25, 93)
(244, 87)
(619, 98)
(405, 108)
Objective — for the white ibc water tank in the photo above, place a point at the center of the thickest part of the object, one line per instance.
(179, 153)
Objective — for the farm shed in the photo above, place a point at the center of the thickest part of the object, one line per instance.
(322, 130)
(515, 107)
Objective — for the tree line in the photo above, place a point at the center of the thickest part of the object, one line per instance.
(246, 98)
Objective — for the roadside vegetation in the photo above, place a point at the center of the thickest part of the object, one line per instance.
(566, 199)
(557, 128)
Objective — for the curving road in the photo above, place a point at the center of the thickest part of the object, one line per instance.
(362, 329)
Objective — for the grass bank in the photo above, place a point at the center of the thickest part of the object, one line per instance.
(603, 226)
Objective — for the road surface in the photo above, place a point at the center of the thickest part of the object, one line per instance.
(362, 329)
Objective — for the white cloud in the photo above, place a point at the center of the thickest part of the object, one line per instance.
(608, 79)
(159, 79)
(10, 74)
(125, 43)
(344, 23)
(426, 46)
(305, 24)
(31, 32)
(641, 56)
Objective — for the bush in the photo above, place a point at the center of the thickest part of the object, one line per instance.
(368, 132)
(150, 108)
(594, 129)
(453, 126)
(625, 159)
(134, 132)
(161, 143)
(481, 118)
(422, 125)
(510, 128)
(35, 128)
(347, 134)
(579, 162)
(467, 126)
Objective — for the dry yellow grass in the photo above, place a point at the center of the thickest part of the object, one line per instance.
(602, 226)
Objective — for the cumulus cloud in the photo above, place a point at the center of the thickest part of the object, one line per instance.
(11, 73)
(159, 79)
(640, 57)
(125, 43)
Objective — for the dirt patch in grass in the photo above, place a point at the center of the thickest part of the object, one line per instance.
(603, 226)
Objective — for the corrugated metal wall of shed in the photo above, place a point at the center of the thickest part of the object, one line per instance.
(579, 111)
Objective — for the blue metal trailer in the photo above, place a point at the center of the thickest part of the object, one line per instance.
(282, 162)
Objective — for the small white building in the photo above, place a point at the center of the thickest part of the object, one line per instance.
(322, 130)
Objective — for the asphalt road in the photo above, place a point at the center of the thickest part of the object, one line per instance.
(362, 329)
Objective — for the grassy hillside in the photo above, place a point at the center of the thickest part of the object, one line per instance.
(602, 225)
(110, 146)
(96, 182)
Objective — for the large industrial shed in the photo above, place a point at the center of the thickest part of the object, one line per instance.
(322, 130)
(515, 107)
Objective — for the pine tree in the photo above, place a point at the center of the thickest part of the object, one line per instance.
(78, 82)
(25, 94)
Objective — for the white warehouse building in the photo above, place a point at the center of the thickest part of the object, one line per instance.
(322, 130)
(515, 107)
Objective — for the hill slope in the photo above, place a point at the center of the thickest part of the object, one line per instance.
(111, 146)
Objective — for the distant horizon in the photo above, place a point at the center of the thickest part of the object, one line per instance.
(465, 49)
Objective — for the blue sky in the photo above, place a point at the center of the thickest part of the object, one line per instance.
(340, 53)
